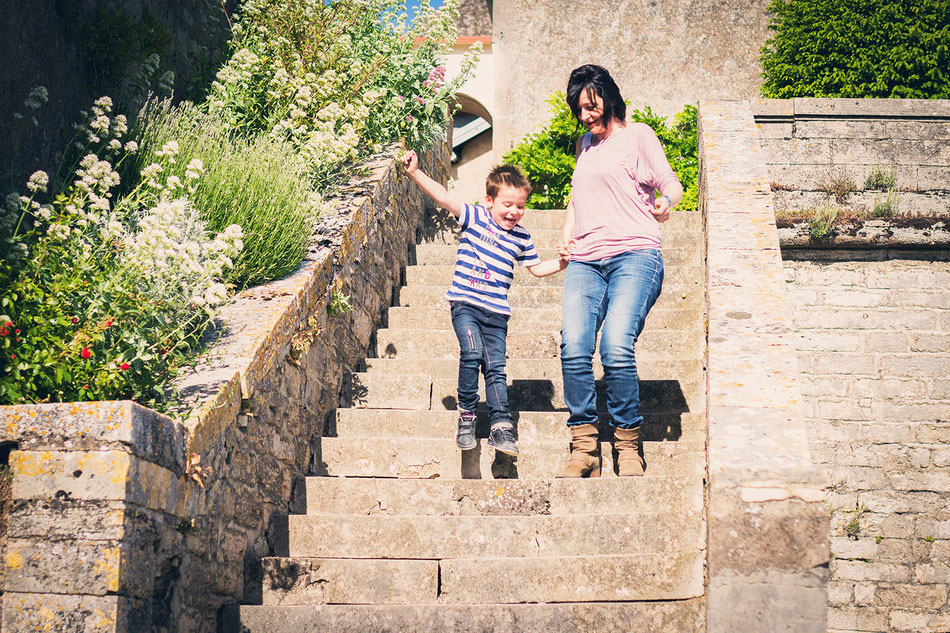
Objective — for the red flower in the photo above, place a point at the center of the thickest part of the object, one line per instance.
(12, 356)
(108, 323)
(85, 386)
(16, 331)
(75, 320)
(86, 353)
(124, 366)
(4, 331)
(9, 324)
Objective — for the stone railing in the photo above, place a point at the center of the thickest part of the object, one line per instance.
(767, 526)
(126, 520)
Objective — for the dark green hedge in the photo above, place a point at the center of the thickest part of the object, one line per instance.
(858, 48)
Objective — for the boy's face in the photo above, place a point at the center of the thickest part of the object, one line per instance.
(507, 208)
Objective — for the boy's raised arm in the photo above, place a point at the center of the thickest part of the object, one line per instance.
(410, 162)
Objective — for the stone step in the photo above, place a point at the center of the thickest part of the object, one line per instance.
(409, 343)
(536, 319)
(677, 237)
(378, 390)
(427, 458)
(566, 617)
(673, 276)
(440, 254)
(555, 497)
(688, 296)
(530, 425)
(536, 368)
(299, 580)
(667, 576)
(491, 536)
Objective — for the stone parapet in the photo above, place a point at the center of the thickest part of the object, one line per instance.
(767, 527)
(124, 519)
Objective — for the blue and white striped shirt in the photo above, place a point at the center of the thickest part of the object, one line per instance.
(484, 262)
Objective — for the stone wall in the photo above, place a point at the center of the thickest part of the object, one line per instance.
(127, 520)
(874, 350)
(41, 45)
(817, 145)
(662, 54)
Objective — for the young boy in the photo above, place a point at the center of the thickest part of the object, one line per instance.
(491, 243)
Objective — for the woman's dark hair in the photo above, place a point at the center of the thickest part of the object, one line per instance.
(591, 79)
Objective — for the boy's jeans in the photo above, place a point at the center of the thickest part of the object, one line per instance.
(481, 335)
(616, 292)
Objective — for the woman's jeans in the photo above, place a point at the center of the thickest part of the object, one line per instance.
(616, 293)
(481, 335)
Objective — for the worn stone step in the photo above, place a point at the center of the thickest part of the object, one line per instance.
(440, 254)
(684, 297)
(378, 390)
(536, 319)
(445, 497)
(425, 458)
(571, 617)
(298, 580)
(530, 425)
(409, 343)
(668, 576)
(537, 368)
(674, 236)
(673, 276)
(490, 536)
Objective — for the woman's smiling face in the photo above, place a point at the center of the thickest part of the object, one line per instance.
(591, 112)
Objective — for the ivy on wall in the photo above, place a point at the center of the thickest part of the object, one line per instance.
(872, 48)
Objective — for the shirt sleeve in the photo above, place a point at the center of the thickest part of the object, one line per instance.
(652, 151)
(467, 215)
(529, 255)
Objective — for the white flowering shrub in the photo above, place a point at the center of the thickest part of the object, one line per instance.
(338, 77)
(103, 296)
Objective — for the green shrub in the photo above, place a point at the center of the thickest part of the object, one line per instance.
(103, 297)
(874, 48)
(880, 178)
(821, 223)
(888, 207)
(256, 183)
(338, 77)
(547, 157)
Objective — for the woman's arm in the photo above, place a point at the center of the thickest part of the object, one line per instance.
(670, 196)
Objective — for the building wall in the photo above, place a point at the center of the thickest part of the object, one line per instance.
(874, 352)
(662, 54)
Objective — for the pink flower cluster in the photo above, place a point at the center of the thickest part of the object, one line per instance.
(436, 78)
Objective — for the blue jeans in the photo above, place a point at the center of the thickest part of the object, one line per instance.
(616, 293)
(482, 337)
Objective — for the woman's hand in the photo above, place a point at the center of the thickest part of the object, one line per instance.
(410, 162)
(564, 250)
(661, 209)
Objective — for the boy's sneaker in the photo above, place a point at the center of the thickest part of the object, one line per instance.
(502, 438)
(465, 437)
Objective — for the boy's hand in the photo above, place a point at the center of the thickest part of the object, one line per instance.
(564, 250)
(410, 162)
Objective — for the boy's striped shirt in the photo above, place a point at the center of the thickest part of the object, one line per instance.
(484, 262)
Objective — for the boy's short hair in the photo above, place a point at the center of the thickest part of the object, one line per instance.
(506, 175)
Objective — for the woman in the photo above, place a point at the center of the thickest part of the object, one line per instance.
(622, 188)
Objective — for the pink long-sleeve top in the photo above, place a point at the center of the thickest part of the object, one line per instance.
(613, 189)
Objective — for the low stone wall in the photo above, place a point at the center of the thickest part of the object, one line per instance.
(874, 349)
(816, 146)
(126, 520)
(767, 526)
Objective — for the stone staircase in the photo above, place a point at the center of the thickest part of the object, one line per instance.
(404, 532)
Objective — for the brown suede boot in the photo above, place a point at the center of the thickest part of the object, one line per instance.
(627, 443)
(585, 456)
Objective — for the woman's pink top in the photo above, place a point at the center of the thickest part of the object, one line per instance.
(613, 190)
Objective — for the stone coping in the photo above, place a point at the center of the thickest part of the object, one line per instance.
(767, 528)
(779, 110)
(908, 233)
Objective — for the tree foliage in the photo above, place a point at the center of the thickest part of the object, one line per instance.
(871, 48)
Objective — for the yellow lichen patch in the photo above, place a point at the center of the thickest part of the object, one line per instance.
(14, 559)
(31, 463)
(108, 566)
(105, 621)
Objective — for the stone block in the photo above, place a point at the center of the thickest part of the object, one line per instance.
(842, 128)
(858, 619)
(912, 596)
(66, 613)
(907, 620)
(869, 571)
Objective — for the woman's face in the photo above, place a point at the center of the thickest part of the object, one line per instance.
(591, 108)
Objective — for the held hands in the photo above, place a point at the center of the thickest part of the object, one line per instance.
(661, 209)
(564, 250)
(410, 162)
